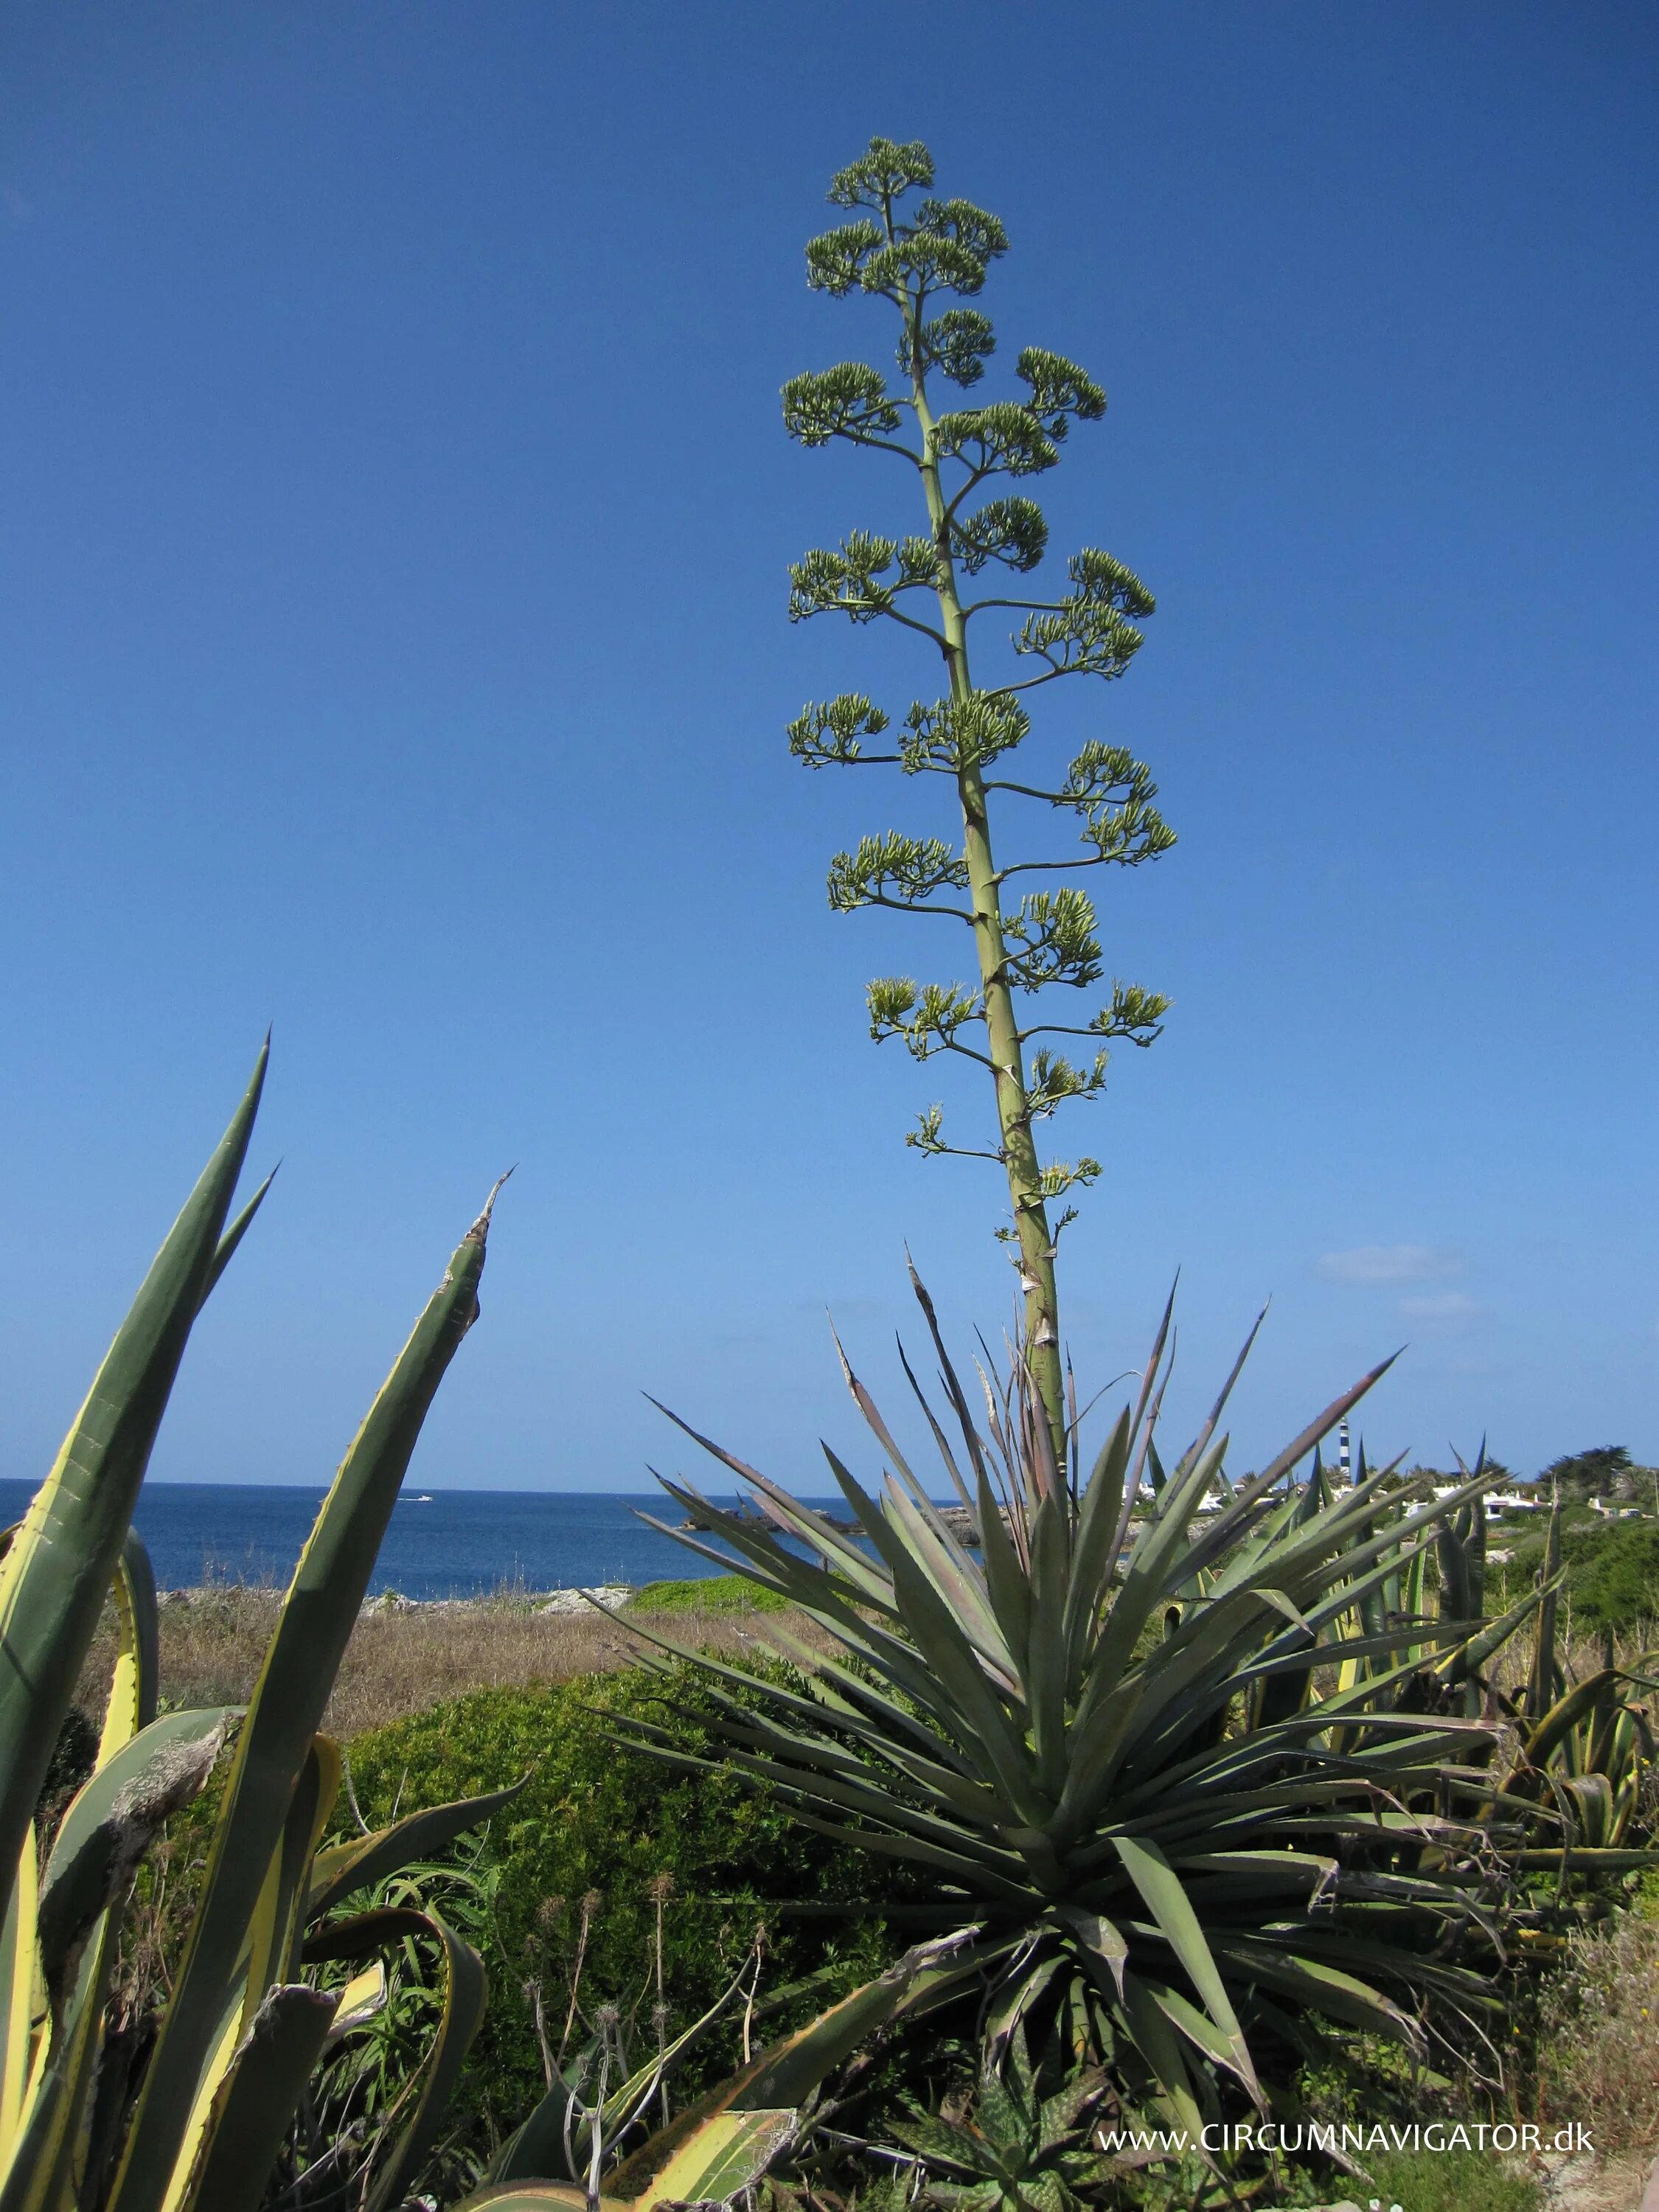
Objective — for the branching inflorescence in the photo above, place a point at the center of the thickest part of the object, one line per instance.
(1037, 938)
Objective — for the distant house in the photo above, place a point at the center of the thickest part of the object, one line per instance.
(1499, 1502)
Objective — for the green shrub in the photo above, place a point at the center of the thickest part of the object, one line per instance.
(708, 1594)
(1612, 1575)
(596, 1817)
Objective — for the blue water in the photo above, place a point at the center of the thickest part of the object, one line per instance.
(441, 1543)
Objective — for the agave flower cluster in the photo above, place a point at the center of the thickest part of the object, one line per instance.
(1175, 1764)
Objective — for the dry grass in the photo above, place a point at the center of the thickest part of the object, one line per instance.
(1599, 2050)
(396, 1664)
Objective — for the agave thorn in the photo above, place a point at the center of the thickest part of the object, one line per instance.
(480, 1229)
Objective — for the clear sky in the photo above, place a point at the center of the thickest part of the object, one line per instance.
(393, 649)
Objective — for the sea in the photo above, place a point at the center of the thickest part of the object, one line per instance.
(440, 1543)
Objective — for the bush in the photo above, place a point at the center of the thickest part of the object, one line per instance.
(597, 1817)
(1612, 1576)
(709, 1594)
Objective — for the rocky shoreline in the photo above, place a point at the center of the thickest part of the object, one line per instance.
(610, 1596)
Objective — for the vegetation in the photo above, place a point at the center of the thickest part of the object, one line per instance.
(213, 1643)
(705, 1594)
(153, 2103)
(915, 256)
(1610, 1570)
(1194, 1812)
(1165, 1841)
(217, 2051)
(1607, 1471)
(1014, 2149)
(596, 1850)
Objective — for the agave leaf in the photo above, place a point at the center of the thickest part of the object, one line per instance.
(1161, 1890)
(1246, 1541)
(1323, 1988)
(948, 1374)
(1023, 1984)
(1541, 1741)
(1315, 1551)
(799, 1519)
(1156, 2042)
(110, 1824)
(268, 1957)
(1004, 1576)
(364, 1860)
(277, 1931)
(1045, 1669)
(257, 2100)
(362, 2000)
(839, 1689)
(1201, 1444)
(225, 1250)
(872, 1412)
(1344, 1403)
(37, 2176)
(465, 1987)
(973, 1863)
(1100, 1943)
(536, 2149)
(940, 1437)
(785, 2076)
(1542, 1686)
(17, 1975)
(54, 1576)
(1190, 2020)
(421, 2108)
(1143, 1581)
(958, 1691)
(728, 2154)
(283, 1716)
(936, 1788)
(948, 1568)
(1091, 1553)
(1577, 1859)
(535, 2197)
(137, 1679)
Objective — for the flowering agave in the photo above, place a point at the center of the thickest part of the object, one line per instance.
(1134, 1743)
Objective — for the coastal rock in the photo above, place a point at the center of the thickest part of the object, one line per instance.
(611, 1595)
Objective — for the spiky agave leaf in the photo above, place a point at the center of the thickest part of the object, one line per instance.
(1070, 1731)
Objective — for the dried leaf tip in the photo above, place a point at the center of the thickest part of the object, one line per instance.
(480, 1229)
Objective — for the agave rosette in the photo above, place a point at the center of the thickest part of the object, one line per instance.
(1165, 1755)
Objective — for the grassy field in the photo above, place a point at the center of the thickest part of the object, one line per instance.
(402, 1662)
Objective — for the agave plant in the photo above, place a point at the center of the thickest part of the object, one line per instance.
(722, 2144)
(1079, 1733)
(1583, 1750)
(1016, 2150)
(192, 2108)
(1445, 1666)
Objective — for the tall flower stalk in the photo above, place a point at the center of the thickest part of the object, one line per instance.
(911, 256)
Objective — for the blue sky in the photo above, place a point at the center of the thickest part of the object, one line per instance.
(393, 649)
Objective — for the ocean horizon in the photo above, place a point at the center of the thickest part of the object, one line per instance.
(439, 1543)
